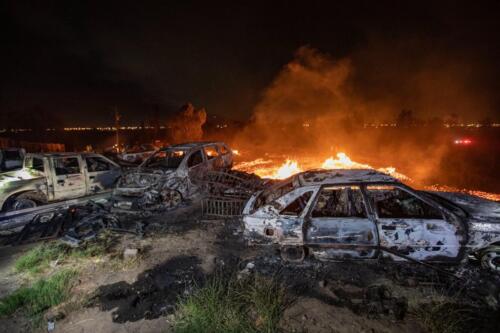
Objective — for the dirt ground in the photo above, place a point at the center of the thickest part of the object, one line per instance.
(179, 251)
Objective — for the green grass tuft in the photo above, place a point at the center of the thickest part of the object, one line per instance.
(38, 258)
(42, 295)
(227, 305)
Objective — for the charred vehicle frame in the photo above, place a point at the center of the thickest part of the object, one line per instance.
(365, 214)
(169, 176)
(52, 177)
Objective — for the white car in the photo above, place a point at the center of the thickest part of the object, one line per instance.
(51, 177)
(362, 214)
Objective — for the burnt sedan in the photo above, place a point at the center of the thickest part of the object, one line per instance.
(362, 214)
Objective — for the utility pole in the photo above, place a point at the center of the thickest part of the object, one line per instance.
(117, 126)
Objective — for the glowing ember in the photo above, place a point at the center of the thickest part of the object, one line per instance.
(236, 152)
(481, 194)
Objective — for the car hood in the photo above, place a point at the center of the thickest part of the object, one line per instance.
(144, 179)
(478, 208)
(18, 175)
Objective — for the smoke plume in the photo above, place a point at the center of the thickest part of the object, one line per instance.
(318, 105)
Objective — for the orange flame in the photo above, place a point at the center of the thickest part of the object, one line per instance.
(266, 168)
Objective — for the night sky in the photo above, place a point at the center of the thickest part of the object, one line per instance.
(81, 59)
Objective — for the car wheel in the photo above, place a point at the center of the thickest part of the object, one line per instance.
(490, 258)
(171, 198)
(293, 253)
(23, 203)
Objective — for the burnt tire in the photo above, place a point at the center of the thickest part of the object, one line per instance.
(171, 198)
(20, 202)
(490, 258)
(293, 253)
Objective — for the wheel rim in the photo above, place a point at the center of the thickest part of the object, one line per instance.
(491, 260)
(23, 204)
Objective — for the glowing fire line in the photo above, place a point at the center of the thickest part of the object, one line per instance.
(268, 169)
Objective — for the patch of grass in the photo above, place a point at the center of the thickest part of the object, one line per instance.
(42, 295)
(228, 305)
(266, 299)
(38, 258)
(445, 317)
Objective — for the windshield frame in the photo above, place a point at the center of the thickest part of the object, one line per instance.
(185, 152)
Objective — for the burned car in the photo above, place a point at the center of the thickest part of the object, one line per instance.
(169, 176)
(361, 214)
(51, 177)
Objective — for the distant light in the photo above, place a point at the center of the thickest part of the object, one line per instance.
(463, 141)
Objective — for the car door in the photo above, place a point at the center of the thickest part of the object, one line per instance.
(338, 226)
(69, 177)
(411, 226)
(101, 173)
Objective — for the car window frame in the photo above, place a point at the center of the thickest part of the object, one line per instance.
(203, 158)
(409, 191)
(99, 158)
(80, 165)
(317, 194)
(214, 146)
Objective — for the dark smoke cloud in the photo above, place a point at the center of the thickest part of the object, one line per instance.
(317, 105)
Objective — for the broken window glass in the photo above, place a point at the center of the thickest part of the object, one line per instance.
(343, 201)
(195, 159)
(66, 166)
(296, 207)
(393, 202)
(37, 164)
(211, 152)
(169, 159)
(96, 164)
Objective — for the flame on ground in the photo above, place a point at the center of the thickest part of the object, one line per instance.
(267, 168)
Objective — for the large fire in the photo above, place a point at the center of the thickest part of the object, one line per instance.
(268, 168)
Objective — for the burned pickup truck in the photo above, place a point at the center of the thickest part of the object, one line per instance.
(52, 177)
(363, 214)
(169, 176)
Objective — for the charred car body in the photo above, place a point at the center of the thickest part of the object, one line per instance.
(362, 214)
(54, 177)
(137, 154)
(169, 175)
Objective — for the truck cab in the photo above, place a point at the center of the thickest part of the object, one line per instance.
(54, 177)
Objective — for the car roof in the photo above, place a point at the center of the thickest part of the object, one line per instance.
(343, 176)
(191, 145)
(62, 154)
